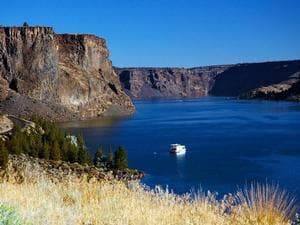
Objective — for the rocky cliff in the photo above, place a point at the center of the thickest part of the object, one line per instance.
(226, 80)
(285, 90)
(58, 76)
(142, 83)
(242, 78)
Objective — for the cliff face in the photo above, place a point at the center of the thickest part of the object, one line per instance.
(60, 76)
(230, 80)
(142, 83)
(242, 78)
(285, 90)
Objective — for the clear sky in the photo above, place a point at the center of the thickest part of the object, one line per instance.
(182, 33)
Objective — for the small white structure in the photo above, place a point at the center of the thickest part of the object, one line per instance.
(177, 149)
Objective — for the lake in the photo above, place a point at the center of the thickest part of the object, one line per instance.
(229, 142)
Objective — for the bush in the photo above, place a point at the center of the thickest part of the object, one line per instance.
(83, 154)
(120, 159)
(98, 157)
(8, 216)
(17, 144)
(110, 157)
(3, 155)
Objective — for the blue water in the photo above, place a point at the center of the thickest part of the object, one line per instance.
(229, 142)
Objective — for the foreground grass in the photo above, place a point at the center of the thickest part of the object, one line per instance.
(39, 200)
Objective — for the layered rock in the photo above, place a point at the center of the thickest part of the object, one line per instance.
(285, 90)
(63, 76)
(228, 80)
(242, 78)
(142, 83)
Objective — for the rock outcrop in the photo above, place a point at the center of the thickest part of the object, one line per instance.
(228, 80)
(143, 83)
(58, 76)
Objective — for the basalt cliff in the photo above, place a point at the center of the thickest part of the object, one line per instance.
(58, 76)
(245, 80)
(143, 83)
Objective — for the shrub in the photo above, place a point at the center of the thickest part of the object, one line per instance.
(55, 152)
(120, 159)
(263, 204)
(98, 157)
(8, 216)
(110, 157)
(17, 144)
(83, 154)
(3, 155)
(25, 24)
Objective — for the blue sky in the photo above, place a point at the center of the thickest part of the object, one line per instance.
(183, 33)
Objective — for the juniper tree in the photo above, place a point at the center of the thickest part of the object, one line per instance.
(98, 157)
(3, 155)
(17, 141)
(83, 155)
(55, 151)
(45, 152)
(120, 159)
(110, 157)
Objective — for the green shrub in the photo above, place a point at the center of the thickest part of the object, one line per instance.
(9, 216)
(3, 155)
(120, 159)
(110, 157)
(98, 157)
(83, 154)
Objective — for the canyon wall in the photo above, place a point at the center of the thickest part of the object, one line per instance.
(242, 78)
(226, 80)
(58, 76)
(143, 83)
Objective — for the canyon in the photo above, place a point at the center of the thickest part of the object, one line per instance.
(63, 77)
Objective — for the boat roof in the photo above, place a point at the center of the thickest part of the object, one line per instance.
(176, 145)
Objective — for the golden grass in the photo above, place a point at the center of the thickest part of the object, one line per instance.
(76, 201)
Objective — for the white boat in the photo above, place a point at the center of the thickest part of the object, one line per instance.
(177, 149)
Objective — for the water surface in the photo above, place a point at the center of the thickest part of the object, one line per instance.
(229, 142)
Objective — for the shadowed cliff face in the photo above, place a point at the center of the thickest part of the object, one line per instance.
(230, 80)
(142, 83)
(242, 78)
(285, 90)
(69, 75)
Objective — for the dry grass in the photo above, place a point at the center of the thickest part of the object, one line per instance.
(76, 201)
